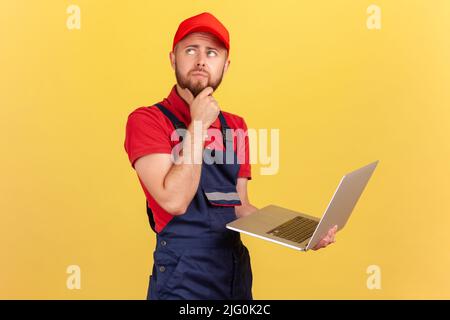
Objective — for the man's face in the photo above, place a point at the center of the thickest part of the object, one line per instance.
(200, 61)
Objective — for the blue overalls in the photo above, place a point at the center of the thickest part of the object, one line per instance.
(196, 257)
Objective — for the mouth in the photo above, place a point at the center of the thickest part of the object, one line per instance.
(199, 74)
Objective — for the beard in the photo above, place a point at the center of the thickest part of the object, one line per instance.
(196, 85)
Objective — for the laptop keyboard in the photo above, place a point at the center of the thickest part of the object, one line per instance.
(297, 229)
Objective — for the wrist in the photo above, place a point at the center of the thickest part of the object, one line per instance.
(196, 129)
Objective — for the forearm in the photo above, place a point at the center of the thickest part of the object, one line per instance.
(183, 178)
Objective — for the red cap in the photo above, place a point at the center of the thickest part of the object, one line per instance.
(203, 22)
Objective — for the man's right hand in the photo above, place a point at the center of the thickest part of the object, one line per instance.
(203, 107)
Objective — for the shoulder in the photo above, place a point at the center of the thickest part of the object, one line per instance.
(145, 112)
(147, 116)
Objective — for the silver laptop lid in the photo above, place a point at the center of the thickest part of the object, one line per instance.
(343, 201)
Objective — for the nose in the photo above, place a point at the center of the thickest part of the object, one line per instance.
(201, 61)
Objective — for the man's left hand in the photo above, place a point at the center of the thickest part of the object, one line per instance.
(327, 240)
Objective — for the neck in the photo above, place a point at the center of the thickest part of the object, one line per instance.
(182, 94)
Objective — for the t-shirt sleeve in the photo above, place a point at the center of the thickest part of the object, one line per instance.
(243, 153)
(145, 134)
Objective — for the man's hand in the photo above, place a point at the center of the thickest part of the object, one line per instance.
(244, 210)
(203, 107)
(328, 239)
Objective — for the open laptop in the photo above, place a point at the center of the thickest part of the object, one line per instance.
(301, 231)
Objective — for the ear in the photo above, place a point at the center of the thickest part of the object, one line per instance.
(172, 59)
(226, 66)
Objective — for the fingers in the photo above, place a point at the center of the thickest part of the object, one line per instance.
(333, 234)
(189, 97)
(214, 101)
(319, 245)
(333, 230)
(328, 239)
(205, 92)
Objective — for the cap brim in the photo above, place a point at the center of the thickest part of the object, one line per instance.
(209, 30)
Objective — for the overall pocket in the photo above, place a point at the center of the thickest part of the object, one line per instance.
(166, 264)
(222, 202)
(223, 196)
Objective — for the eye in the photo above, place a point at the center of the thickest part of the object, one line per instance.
(190, 51)
(214, 54)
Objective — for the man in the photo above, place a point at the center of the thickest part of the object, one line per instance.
(190, 202)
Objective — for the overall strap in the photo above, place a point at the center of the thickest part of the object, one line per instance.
(226, 133)
(176, 123)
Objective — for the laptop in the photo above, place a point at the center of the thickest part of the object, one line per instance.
(301, 231)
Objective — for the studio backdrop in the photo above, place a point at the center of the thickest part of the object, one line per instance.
(334, 85)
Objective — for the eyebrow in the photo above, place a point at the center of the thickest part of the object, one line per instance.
(197, 46)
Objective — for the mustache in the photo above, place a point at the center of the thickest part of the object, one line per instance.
(200, 70)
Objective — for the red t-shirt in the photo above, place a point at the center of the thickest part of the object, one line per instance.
(148, 131)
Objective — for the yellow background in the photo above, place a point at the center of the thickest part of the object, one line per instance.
(342, 96)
